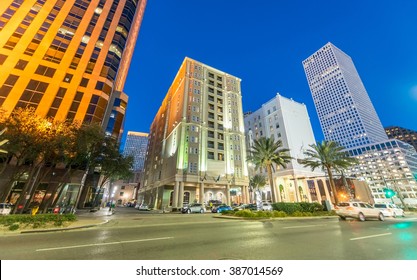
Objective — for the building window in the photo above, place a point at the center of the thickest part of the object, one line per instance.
(21, 64)
(45, 71)
(68, 78)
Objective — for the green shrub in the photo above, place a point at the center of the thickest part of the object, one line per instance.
(292, 207)
(14, 227)
(279, 214)
(287, 207)
(37, 220)
(244, 213)
(311, 207)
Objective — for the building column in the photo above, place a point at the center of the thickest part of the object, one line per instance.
(316, 186)
(175, 195)
(287, 189)
(326, 191)
(202, 196)
(228, 202)
(297, 191)
(181, 195)
(276, 190)
(308, 191)
(247, 194)
(155, 202)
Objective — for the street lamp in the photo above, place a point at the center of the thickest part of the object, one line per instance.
(396, 191)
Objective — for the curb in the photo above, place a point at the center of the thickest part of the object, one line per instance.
(278, 218)
(63, 229)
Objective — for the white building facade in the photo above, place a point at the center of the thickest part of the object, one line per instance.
(284, 119)
(389, 164)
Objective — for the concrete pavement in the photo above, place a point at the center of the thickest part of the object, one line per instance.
(87, 219)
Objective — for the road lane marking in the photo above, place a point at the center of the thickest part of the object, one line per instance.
(102, 244)
(371, 236)
(302, 226)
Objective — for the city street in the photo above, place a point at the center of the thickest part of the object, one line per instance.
(135, 235)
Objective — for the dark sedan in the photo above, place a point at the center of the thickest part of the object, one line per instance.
(221, 208)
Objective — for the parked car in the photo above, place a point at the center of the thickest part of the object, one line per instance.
(390, 210)
(142, 207)
(221, 208)
(266, 206)
(193, 208)
(5, 208)
(250, 206)
(358, 210)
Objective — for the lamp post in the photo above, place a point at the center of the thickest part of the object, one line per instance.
(400, 196)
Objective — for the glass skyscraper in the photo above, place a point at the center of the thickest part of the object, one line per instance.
(348, 117)
(68, 59)
(136, 145)
(344, 108)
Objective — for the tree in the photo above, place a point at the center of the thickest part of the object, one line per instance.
(258, 181)
(328, 156)
(112, 165)
(266, 153)
(27, 139)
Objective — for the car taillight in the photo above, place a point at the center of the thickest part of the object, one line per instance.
(349, 208)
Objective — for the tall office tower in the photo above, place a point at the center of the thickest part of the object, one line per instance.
(136, 145)
(284, 119)
(68, 59)
(406, 135)
(347, 116)
(196, 149)
(345, 111)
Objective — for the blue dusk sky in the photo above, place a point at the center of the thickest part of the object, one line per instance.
(264, 43)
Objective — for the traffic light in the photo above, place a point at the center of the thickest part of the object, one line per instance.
(389, 193)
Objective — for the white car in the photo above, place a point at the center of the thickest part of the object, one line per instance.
(142, 207)
(266, 206)
(390, 210)
(194, 208)
(5, 208)
(358, 210)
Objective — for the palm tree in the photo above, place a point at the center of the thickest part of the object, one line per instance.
(328, 155)
(266, 153)
(257, 181)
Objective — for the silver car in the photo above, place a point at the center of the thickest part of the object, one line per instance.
(266, 206)
(194, 208)
(358, 210)
(390, 210)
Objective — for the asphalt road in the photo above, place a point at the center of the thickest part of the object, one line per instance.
(134, 235)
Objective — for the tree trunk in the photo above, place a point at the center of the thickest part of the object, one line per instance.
(271, 183)
(16, 172)
(21, 201)
(332, 186)
(64, 179)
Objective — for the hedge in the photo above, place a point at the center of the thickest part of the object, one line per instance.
(36, 221)
(292, 207)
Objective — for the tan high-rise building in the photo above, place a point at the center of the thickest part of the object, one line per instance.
(196, 150)
(68, 59)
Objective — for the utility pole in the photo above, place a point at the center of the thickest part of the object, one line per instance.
(399, 195)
